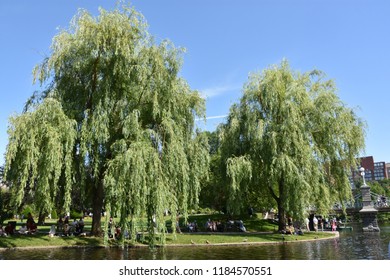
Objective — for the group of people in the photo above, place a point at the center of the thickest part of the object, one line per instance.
(192, 226)
(320, 223)
(63, 227)
(218, 226)
(114, 231)
(7, 230)
(66, 228)
(234, 225)
(213, 226)
(30, 227)
(381, 201)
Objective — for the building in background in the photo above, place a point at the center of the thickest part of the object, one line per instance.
(388, 169)
(369, 167)
(380, 171)
(374, 171)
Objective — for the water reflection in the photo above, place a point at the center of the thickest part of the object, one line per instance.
(350, 246)
(389, 250)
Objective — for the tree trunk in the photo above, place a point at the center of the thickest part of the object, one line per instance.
(97, 199)
(279, 201)
(41, 218)
(281, 209)
(282, 217)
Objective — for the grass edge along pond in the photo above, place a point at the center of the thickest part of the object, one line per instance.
(259, 231)
(41, 240)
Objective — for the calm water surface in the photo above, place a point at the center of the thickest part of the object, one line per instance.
(353, 245)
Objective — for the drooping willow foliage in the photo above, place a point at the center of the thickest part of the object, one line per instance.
(296, 137)
(134, 150)
(39, 156)
(239, 170)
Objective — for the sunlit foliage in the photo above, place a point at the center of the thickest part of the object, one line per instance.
(293, 140)
(115, 119)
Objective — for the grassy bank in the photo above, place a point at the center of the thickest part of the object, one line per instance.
(187, 239)
(242, 238)
(41, 240)
(258, 231)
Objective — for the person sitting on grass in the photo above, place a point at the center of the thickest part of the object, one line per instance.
(23, 230)
(66, 228)
(31, 225)
(290, 230)
(60, 225)
(9, 230)
(52, 231)
(220, 226)
(210, 225)
(81, 225)
(75, 226)
(298, 231)
(229, 225)
(2, 232)
(241, 226)
(118, 231)
(192, 226)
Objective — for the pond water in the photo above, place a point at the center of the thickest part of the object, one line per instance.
(353, 245)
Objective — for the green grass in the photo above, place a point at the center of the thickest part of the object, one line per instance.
(240, 238)
(252, 224)
(43, 240)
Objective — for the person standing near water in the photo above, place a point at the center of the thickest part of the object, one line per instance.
(307, 222)
(334, 224)
(315, 223)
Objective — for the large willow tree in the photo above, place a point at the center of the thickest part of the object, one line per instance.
(292, 140)
(114, 120)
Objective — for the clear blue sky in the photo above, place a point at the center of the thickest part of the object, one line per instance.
(225, 41)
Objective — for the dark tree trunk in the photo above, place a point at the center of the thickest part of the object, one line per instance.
(281, 209)
(282, 217)
(279, 201)
(97, 200)
(41, 218)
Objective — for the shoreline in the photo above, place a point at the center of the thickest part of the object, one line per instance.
(332, 235)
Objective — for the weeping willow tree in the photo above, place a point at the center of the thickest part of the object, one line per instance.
(290, 139)
(114, 120)
(39, 156)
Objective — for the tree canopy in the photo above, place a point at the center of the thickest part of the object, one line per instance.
(290, 139)
(114, 121)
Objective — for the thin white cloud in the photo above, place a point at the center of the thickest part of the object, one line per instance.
(212, 117)
(216, 117)
(218, 90)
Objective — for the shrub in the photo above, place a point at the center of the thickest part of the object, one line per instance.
(28, 209)
(74, 214)
(54, 214)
